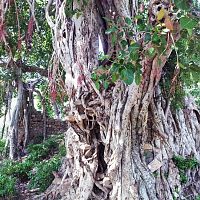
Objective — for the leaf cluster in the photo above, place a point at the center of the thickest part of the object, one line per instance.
(44, 158)
(184, 164)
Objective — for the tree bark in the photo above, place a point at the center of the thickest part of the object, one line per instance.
(118, 137)
(7, 109)
(26, 119)
(13, 128)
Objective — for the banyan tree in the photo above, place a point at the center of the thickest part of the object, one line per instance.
(127, 65)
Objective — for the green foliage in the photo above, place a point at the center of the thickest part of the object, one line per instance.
(183, 177)
(43, 176)
(184, 164)
(7, 167)
(44, 150)
(37, 53)
(62, 150)
(7, 180)
(125, 65)
(155, 174)
(41, 43)
(195, 91)
(7, 186)
(173, 92)
(182, 4)
(20, 170)
(198, 197)
(189, 62)
(16, 169)
(17, 21)
(52, 150)
(188, 23)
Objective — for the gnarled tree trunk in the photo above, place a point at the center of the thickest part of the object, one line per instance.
(121, 136)
(13, 127)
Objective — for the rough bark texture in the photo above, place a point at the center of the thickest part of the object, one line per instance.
(9, 92)
(121, 137)
(13, 127)
(26, 120)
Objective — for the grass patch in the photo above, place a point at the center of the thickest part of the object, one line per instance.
(44, 158)
(43, 176)
(7, 186)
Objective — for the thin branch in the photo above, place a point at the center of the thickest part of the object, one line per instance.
(32, 8)
(50, 22)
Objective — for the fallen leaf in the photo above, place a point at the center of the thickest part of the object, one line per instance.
(161, 14)
(169, 24)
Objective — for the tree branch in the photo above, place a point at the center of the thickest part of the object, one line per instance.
(27, 68)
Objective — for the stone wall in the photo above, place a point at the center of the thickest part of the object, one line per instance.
(36, 126)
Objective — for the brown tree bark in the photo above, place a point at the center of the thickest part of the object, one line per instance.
(118, 137)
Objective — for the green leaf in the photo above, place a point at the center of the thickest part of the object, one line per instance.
(134, 55)
(151, 52)
(130, 34)
(114, 39)
(138, 17)
(163, 43)
(105, 84)
(182, 4)
(111, 30)
(134, 47)
(103, 56)
(155, 38)
(115, 77)
(78, 14)
(122, 54)
(114, 68)
(189, 32)
(130, 65)
(147, 37)
(128, 21)
(124, 43)
(188, 23)
(181, 65)
(138, 76)
(94, 76)
(121, 34)
(102, 77)
(127, 75)
(97, 84)
(141, 25)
